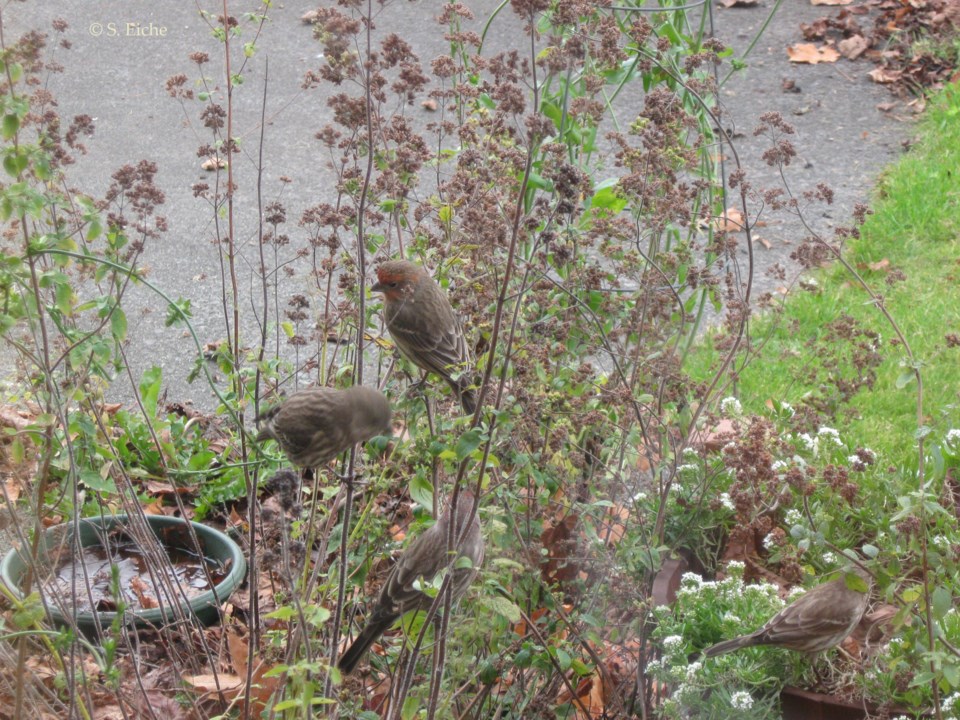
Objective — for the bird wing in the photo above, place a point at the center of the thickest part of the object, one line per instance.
(442, 350)
(809, 616)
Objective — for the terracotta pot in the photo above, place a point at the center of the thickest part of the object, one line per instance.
(797, 704)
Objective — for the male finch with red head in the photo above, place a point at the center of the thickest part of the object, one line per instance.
(425, 557)
(424, 327)
(315, 425)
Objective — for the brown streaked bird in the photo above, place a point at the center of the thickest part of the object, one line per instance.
(424, 558)
(315, 425)
(424, 327)
(818, 620)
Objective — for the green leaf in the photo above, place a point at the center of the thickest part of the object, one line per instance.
(285, 612)
(29, 613)
(150, 389)
(178, 312)
(905, 379)
(942, 601)
(93, 480)
(118, 324)
(17, 453)
(502, 607)
(421, 490)
(469, 442)
(410, 708)
(11, 124)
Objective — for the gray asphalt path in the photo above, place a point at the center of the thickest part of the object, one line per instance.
(123, 51)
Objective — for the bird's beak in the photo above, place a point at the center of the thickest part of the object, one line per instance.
(377, 287)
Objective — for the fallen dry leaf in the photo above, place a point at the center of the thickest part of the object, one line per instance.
(730, 221)
(224, 683)
(812, 54)
(884, 76)
(853, 47)
(830, 2)
(879, 265)
(213, 164)
(763, 241)
(429, 104)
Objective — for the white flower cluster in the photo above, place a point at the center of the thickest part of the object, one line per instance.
(727, 502)
(672, 642)
(831, 435)
(741, 700)
(811, 444)
(950, 702)
(731, 407)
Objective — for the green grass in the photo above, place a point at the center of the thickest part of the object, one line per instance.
(915, 226)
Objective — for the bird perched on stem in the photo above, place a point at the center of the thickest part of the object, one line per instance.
(425, 557)
(315, 425)
(818, 620)
(424, 327)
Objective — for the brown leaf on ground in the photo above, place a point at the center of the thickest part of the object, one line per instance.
(853, 47)
(111, 712)
(238, 647)
(588, 702)
(560, 542)
(13, 417)
(811, 54)
(613, 527)
(227, 685)
(730, 221)
(879, 265)
(884, 75)
(830, 2)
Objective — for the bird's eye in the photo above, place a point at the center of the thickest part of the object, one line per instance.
(393, 284)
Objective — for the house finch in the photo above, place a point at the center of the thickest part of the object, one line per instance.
(426, 556)
(315, 425)
(424, 327)
(816, 621)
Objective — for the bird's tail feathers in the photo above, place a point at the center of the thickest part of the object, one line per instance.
(728, 646)
(358, 648)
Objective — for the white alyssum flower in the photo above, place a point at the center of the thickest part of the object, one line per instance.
(690, 579)
(741, 700)
(693, 669)
(727, 502)
(811, 444)
(950, 702)
(672, 642)
(828, 433)
(793, 516)
(769, 542)
(730, 406)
